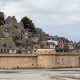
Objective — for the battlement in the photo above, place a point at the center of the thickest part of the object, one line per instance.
(46, 51)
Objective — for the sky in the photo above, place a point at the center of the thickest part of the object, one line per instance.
(55, 17)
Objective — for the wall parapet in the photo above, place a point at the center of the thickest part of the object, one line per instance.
(16, 55)
(66, 53)
(46, 51)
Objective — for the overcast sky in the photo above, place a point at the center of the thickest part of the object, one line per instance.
(56, 17)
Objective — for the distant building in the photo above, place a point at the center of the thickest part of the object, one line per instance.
(61, 43)
(41, 34)
(10, 19)
(57, 42)
(2, 38)
(52, 39)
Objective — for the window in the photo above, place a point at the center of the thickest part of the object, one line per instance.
(61, 46)
(34, 50)
(13, 50)
(1, 50)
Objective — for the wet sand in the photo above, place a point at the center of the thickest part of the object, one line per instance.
(41, 74)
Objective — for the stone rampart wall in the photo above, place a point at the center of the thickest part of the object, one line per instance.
(40, 60)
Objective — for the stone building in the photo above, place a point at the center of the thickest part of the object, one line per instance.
(61, 43)
(10, 19)
(2, 38)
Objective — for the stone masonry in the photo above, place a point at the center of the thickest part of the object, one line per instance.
(45, 58)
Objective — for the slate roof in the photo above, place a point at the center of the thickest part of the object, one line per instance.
(51, 43)
(53, 38)
(17, 23)
(14, 23)
(38, 30)
(56, 38)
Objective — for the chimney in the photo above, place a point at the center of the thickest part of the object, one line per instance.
(13, 16)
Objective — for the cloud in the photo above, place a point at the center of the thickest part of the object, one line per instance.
(61, 17)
